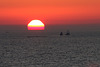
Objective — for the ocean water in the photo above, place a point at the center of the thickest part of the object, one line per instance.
(11, 31)
(23, 48)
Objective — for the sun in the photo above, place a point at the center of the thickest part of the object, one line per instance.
(35, 25)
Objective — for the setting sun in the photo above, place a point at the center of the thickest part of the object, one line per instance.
(35, 25)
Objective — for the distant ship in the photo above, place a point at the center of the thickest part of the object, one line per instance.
(68, 32)
(61, 33)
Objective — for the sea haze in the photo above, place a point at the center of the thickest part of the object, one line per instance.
(50, 30)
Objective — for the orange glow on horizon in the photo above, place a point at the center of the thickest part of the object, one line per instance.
(75, 11)
(35, 25)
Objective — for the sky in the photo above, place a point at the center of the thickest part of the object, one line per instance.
(15, 12)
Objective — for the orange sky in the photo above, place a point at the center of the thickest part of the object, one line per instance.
(50, 11)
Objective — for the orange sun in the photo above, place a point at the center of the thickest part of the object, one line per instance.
(35, 25)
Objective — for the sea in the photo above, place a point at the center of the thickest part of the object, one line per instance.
(20, 47)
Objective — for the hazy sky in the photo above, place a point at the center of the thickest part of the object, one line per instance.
(50, 11)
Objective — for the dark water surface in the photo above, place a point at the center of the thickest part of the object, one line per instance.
(23, 48)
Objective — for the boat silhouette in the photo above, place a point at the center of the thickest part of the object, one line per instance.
(68, 32)
(61, 33)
